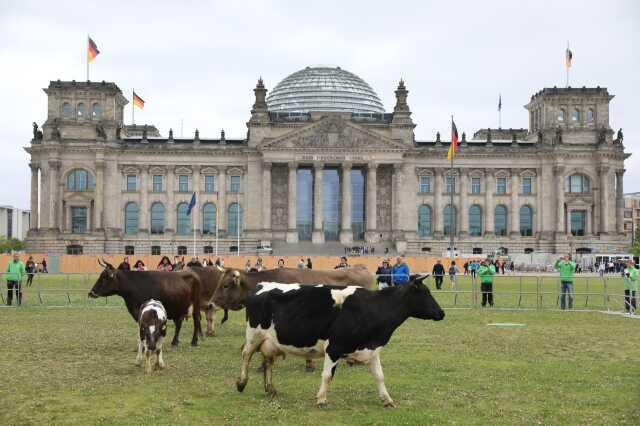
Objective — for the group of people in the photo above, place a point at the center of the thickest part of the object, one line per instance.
(484, 269)
(388, 275)
(501, 266)
(360, 251)
(611, 267)
(17, 271)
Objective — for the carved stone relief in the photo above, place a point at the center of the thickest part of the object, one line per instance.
(383, 195)
(279, 197)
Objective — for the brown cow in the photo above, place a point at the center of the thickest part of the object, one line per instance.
(235, 285)
(209, 278)
(179, 292)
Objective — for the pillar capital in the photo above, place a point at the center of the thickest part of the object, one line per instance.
(318, 165)
(558, 169)
(35, 166)
(347, 165)
(54, 164)
(293, 165)
(372, 165)
(266, 165)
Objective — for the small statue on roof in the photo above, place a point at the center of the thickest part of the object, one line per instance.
(620, 136)
(100, 130)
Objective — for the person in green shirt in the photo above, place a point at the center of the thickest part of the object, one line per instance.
(566, 268)
(14, 275)
(486, 271)
(630, 287)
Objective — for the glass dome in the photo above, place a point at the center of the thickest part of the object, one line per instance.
(324, 89)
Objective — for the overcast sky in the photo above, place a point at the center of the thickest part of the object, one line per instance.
(199, 61)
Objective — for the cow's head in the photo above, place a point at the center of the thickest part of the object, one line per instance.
(107, 283)
(420, 302)
(152, 330)
(231, 291)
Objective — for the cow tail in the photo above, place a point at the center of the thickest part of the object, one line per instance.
(195, 295)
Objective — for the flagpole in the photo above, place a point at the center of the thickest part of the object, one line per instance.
(500, 111)
(452, 190)
(193, 221)
(87, 57)
(217, 208)
(566, 64)
(133, 108)
(238, 220)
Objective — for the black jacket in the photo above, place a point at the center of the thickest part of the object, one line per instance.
(438, 269)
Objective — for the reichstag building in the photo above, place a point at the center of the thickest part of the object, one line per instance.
(322, 162)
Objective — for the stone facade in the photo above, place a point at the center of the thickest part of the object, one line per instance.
(554, 187)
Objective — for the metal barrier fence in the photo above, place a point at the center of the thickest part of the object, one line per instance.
(512, 292)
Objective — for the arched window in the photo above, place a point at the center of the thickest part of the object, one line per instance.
(131, 213)
(234, 219)
(79, 180)
(590, 115)
(577, 184)
(575, 115)
(526, 221)
(424, 220)
(157, 218)
(96, 111)
(561, 114)
(183, 226)
(81, 111)
(500, 220)
(209, 218)
(475, 221)
(67, 111)
(449, 224)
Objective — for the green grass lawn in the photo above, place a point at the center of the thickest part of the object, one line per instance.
(75, 365)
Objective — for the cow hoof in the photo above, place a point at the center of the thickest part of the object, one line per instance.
(309, 369)
(194, 343)
(210, 334)
(271, 391)
(240, 386)
(390, 404)
(323, 403)
(174, 343)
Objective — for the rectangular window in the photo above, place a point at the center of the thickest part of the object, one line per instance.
(477, 250)
(182, 250)
(209, 183)
(208, 249)
(526, 185)
(425, 184)
(131, 183)
(183, 183)
(234, 184)
(475, 185)
(74, 249)
(578, 223)
(129, 250)
(501, 185)
(450, 182)
(78, 219)
(157, 183)
(628, 214)
(155, 250)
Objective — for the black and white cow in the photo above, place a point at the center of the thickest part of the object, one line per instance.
(153, 328)
(330, 322)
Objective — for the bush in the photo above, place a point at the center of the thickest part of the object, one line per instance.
(10, 245)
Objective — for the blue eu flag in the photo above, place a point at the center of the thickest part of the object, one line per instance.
(192, 204)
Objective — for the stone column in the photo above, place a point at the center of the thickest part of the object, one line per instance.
(266, 197)
(463, 230)
(222, 201)
(317, 236)
(490, 208)
(438, 208)
(144, 224)
(620, 201)
(603, 171)
(560, 213)
(292, 231)
(110, 193)
(98, 204)
(170, 225)
(371, 236)
(54, 198)
(34, 196)
(515, 210)
(346, 234)
(44, 195)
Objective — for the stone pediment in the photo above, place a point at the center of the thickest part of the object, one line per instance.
(332, 132)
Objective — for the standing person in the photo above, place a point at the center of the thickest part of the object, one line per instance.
(566, 268)
(259, 266)
(630, 287)
(15, 273)
(601, 269)
(280, 263)
(453, 270)
(30, 267)
(44, 266)
(438, 273)
(400, 272)
(486, 271)
(473, 268)
(194, 262)
(247, 266)
(124, 266)
(139, 266)
(309, 264)
(165, 265)
(466, 268)
(383, 273)
(343, 263)
(301, 263)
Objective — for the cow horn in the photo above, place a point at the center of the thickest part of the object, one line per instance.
(107, 264)
(236, 274)
(101, 264)
(236, 278)
(220, 268)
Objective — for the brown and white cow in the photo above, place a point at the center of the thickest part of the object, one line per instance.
(152, 326)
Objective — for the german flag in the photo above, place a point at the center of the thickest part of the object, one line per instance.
(92, 50)
(568, 57)
(137, 101)
(453, 148)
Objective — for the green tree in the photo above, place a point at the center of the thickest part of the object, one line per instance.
(635, 248)
(12, 244)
